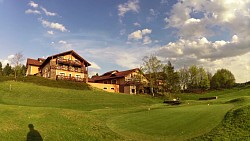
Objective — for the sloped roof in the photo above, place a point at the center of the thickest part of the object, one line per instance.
(86, 63)
(33, 62)
(111, 75)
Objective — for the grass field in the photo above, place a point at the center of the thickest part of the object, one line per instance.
(66, 111)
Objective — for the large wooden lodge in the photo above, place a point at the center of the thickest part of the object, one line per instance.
(64, 66)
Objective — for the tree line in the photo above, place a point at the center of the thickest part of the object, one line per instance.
(164, 78)
(16, 70)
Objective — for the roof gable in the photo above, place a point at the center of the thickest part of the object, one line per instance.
(114, 74)
(71, 52)
(33, 62)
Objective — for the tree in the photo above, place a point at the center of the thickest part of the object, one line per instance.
(16, 61)
(21, 70)
(1, 69)
(171, 78)
(193, 77)
(184, 78)
(7, 70)
(152, 67)
(223, 78)
(203, 80)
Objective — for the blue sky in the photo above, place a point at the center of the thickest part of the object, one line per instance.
(116, 34)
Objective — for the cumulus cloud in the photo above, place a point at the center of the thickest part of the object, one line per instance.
(141, 35)
(33, 4)
(47, 12)
(53, 25)
(30, 11)
(204, 29)
(131, 5)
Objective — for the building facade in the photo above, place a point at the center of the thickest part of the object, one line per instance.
(63, 66)
(129, 81)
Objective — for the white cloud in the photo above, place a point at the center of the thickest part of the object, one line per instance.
(4, 62)
(131, 5)
(204, 29)
(153, 12)
(11, 56)
(137, 24)
(33, 4)
(29, 11)
(50, 32)
(94, 66)
(135, 35)
(62, 42)
(47, 12)
(141, 35)
(53, 25)
(146, 31)
(147, 40)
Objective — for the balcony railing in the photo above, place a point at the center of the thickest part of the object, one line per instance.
(69, 62)
(67, 68)
(67, 78)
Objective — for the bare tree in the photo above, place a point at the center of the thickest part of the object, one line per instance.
(152, 67)
(16, 61)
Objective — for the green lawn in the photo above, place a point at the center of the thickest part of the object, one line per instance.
(78, 112)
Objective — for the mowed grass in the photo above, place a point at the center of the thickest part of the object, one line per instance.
(170, 123)
(77, 113)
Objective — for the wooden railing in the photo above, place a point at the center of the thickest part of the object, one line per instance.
(77, 79)
(69, 62)
(67, 68)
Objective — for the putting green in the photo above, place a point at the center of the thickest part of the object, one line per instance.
(171, 123)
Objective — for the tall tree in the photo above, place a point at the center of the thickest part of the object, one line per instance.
(223, 78)
(7, 70)
(203, 80)
(16, 61)
(193, 77)
(1, 69)
(171, 78)
(152, 67)
(184, 78)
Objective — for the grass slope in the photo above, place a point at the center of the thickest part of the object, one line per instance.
(73, 111)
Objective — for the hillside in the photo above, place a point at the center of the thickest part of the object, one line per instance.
(73, 111)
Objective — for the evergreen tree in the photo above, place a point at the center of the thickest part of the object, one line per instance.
(7, 70)
(1, 69)
(171, 78)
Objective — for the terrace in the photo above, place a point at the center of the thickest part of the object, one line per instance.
(75, 63)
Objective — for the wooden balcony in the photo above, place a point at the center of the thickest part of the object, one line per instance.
(75, 63)
(69, 68)
(67, 78)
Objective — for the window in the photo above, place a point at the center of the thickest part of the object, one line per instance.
(112, 88)
(105, 88)
(70, 75)
(113, 81)
(62, 74)
(133, 91)
(78, 76)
